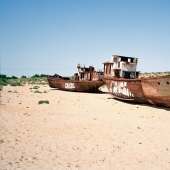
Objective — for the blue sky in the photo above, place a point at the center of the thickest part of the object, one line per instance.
(53, 36)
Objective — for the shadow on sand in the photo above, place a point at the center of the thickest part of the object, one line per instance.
(68, 91)
(135, 104)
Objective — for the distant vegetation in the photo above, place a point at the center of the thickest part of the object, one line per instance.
(15, 81)
(154, 74)
(41, 79)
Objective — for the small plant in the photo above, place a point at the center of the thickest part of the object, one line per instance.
(1, 141)
(45, 91)
(1, 88)
(35, 87)
(37, 91)
(43, 101)
(34, 157)
(9, 91)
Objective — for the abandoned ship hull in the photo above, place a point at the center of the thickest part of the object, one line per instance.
(125, 89)
(155, 90)
(75, 85)
(123, 82)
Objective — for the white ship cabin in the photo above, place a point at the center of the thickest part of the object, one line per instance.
(121, 67)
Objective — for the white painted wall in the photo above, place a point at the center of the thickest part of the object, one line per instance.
(128, 67)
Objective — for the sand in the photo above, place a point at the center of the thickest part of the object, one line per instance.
(80, 131)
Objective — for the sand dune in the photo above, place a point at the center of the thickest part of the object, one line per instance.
(80, 131)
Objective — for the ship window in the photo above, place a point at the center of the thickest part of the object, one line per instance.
(127, 74)
(137, 74)
(167, 82)
(117, 73)
(124, 59)
(159, 83)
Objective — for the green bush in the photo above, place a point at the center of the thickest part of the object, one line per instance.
(43, 101)
(24, 77)
(2, 76)
(14, 83)
(37, 75)
(35, 87)
(37, 91)
(3, 82)
(43, 75)
(13, 77)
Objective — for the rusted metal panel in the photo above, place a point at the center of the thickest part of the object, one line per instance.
(74, 85)
(157, 90)
(125, 90)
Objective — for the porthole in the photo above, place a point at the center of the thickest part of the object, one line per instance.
(159, 83)
(167, 82)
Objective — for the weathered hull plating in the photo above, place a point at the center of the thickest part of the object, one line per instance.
(75, 85)
(154, 90)
(157, 90)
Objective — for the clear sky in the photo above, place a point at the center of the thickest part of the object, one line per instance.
(53, 36)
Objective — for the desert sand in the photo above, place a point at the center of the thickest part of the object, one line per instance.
(85, 131)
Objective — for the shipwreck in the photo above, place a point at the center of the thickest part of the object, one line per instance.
(123, 82)
(86, 80)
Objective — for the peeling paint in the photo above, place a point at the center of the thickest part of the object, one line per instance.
(120, 88)
(69, 85)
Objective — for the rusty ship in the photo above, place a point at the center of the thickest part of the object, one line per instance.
(86, 80)
(123, 82)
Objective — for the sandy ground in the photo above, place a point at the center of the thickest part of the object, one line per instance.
(80, 131)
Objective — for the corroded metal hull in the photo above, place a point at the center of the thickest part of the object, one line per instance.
(154, 90)
(157, 90)
(75, 85)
